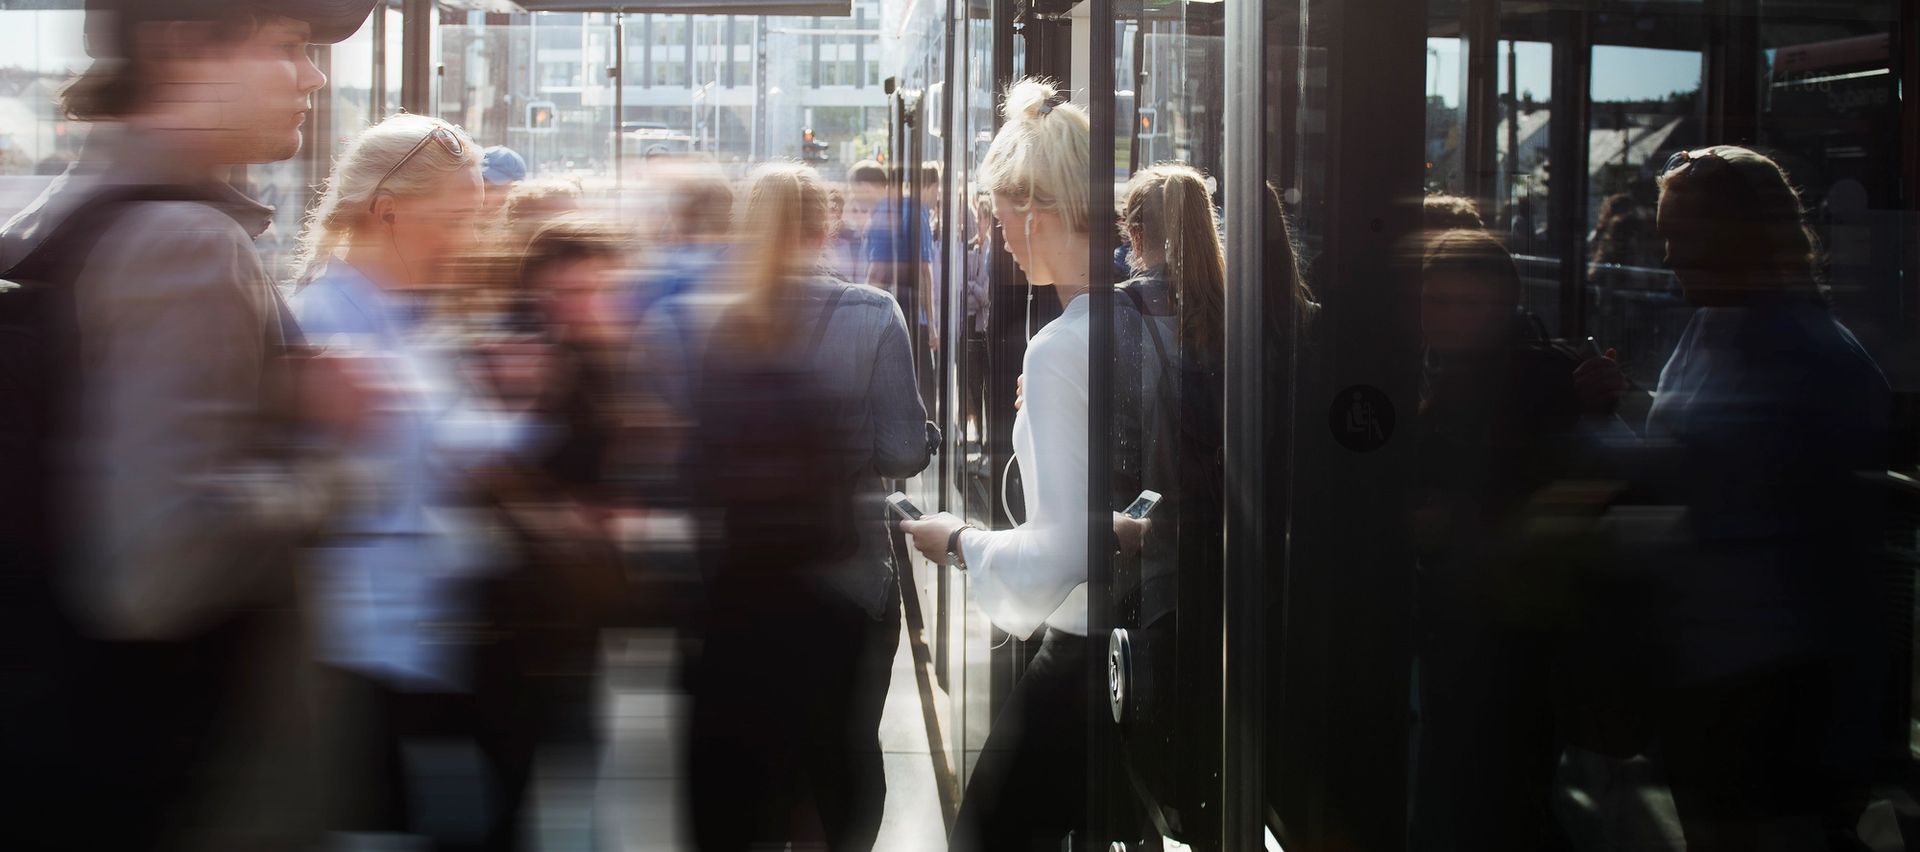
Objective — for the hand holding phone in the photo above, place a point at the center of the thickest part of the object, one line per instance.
(1143, 505)
(904, 507)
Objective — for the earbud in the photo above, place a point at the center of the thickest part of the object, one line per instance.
(387, 218)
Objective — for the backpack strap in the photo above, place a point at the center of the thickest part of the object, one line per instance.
(1168, 369)
(826, 314)
(59, 257)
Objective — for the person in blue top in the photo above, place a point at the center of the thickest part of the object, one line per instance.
(1767, 642)
(502, 169)
(391, 589)
(886, 261)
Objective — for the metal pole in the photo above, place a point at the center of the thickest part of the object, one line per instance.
(1513, 126)
(1103, 741)
(416, 55)
(377, 95)
(1249, 388)
(618, 73)
(1567, 181)
(761, 142)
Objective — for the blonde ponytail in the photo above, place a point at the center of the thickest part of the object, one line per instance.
(1169, 207)
(785, 211)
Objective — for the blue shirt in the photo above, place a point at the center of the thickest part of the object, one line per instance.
(407, 555)
(885, 244)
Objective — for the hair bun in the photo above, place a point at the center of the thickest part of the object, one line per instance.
(1032, 99)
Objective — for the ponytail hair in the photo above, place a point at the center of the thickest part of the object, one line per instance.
(348, 198)
(785, 211)
(1039, 157)
(1169, 207)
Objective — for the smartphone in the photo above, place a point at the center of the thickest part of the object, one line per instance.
(898, 500)
(1142, 505)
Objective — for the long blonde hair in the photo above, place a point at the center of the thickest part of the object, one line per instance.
(349, 195)
(785, 210)
(1039, 157)
(1170, 209)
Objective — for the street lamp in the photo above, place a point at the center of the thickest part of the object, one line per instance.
(693, 108)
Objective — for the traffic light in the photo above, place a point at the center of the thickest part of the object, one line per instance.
(812, 150)
(540, 115)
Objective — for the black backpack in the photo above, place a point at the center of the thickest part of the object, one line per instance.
(768, 457)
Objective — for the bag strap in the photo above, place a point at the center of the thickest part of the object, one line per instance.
(1167, 366)
(826, 314)
(58, 257)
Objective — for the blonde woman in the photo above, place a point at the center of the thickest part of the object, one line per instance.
(1769, 620)
(804, 400)
(402, 202)
(1028, 790)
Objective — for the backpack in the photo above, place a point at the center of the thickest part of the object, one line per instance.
(39, 368)
(768, 457)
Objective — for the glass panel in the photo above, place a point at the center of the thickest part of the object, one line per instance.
(989, 332)
(39, 51)
(540, 87)
(1645, 103)
(1166, 429)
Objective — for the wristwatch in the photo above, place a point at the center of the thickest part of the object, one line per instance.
(956, 558)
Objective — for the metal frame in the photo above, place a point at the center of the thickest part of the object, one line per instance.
(418, 20)
(1572, 30)
(1105, 775)
(1250, 548)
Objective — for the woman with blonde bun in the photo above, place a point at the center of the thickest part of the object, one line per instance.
(1028, 790)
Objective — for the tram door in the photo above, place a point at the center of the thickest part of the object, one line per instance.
(1158, 146)
(1444, 670)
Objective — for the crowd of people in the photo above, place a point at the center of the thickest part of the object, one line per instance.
(263, 539)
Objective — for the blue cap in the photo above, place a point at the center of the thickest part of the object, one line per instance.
(501, 165)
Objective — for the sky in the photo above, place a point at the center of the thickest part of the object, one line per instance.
(1619, 73)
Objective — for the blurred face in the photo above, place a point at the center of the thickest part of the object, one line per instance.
(429, 230)
(252, 96)
(1691, 251)
(580, 297)
(862, 200)
(1460, 312)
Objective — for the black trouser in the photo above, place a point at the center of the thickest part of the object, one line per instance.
(787, 691)
(1029, 788)
(1758, 761)
(112, 745)
(370, 786)
(1488, 743)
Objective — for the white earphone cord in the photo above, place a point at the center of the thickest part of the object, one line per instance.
(1006, 475)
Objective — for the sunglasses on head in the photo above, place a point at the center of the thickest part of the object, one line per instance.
(447, 139)
(1684, 157)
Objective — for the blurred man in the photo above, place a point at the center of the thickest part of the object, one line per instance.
(151, 671)
(887, 260)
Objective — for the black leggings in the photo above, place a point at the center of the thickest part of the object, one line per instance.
(1029, 788)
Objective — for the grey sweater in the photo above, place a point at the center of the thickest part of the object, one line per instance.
(865, 360)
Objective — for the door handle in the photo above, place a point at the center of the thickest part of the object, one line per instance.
(1119, 673)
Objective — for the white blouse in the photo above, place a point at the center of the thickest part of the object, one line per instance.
(1036, 573)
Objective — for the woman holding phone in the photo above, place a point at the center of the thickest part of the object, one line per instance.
(1028, 789)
